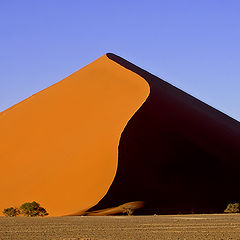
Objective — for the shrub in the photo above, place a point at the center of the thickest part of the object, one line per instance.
(128, 210)
(11, 212)
(32, 209)
(232, 208)
(130, 207)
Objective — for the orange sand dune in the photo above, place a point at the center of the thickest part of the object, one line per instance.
(60, 146)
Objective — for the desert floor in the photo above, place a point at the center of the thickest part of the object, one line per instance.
(216, 226)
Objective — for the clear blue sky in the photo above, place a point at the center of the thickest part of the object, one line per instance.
(192, 44)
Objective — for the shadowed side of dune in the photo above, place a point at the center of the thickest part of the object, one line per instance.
(126, 208)
(177, 154)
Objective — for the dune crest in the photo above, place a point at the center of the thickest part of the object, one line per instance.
(60, 146)
(112, 136)
(177, 154)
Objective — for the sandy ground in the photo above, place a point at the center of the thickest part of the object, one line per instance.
(123, 227)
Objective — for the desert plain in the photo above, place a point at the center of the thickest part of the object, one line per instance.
(182, 227)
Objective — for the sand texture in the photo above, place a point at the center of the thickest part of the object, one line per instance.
(179, 227)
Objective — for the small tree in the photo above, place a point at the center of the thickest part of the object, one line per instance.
(130, 207)
(232, 208)
(32, 209)
(128, 210)
(11, 212)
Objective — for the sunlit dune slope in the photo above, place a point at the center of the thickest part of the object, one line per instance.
(60, 146)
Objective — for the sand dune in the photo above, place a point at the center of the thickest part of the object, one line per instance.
(177, 154)
(63, 146)
(60, 146)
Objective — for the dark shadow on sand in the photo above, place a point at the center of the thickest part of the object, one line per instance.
(177, 154)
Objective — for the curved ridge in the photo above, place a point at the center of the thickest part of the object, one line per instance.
(177, 154)
(61, 144)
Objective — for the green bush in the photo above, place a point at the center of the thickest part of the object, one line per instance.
(232, 208)
(32, 209)
(11, 212)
